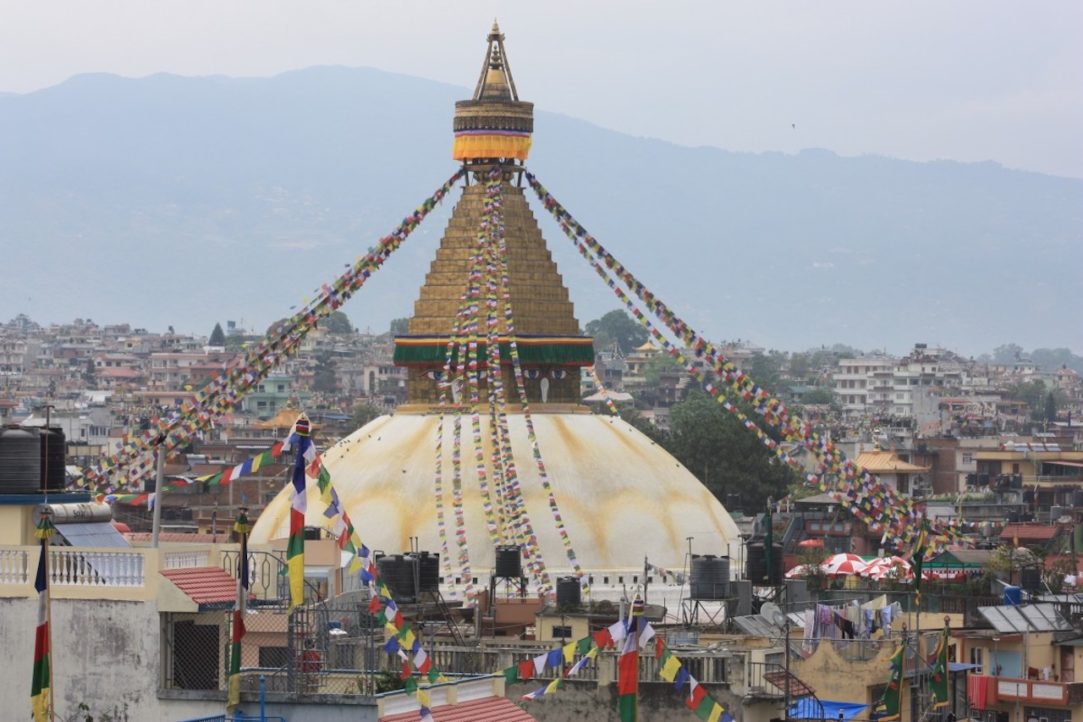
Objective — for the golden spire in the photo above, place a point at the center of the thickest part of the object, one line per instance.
(495, 82)
(494, 124)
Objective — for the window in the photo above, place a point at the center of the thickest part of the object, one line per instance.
(968, 458)
(976, 658)
(273, 657)
(562, 631)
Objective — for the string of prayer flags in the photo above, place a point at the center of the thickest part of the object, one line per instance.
(244, 373)
(897, 516)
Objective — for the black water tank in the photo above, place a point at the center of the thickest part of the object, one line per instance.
(397, 571)
(509, 564)
(54, 457)
(1030, 578)
(20, 461)
(428, 572)
(568, 593)
(710, 577)
(756, 568)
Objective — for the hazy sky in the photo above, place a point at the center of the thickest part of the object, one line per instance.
(974, 80)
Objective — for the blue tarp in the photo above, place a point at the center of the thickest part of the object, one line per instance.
(806, 708)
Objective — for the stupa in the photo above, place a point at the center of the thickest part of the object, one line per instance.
(621, 497)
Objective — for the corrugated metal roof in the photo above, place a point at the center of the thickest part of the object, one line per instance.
(92, 534)
(204, 585)
(1025, 618)
(489, 709)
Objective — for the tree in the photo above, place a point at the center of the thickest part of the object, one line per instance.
(818, 395)
(723, 454)
(1007, 353)
(364, 413)
(337, 322)
(619, 328)
(400, 326)
(646, 427)
(1031, 392)
(218, 336)
(766, 369)
(323, 379)
(657, 365)
(1051, 404)
(799, 366)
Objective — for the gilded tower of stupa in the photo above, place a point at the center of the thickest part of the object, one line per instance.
(493, 134)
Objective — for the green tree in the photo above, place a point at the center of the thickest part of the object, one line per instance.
(766, 369)
(724, 455)
(364, 413)
(657, 365)
(1007, 353)
(1031, 392)
(619, 328)
(337, 322)
(646, 427)
(799, 366)
(400, 326)
(818, 395)
(324, 377)
(1050, 407)
(218, 336)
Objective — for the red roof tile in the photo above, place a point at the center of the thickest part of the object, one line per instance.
(1030, 532)
(204, 585)
(489, 709)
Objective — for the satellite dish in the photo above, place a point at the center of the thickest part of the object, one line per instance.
(773, 614)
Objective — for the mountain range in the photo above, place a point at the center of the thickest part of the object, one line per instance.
(183, 201)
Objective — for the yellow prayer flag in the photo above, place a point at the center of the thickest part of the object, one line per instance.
(716, 713)
(423, 697)
(669, 669)
(569, 651)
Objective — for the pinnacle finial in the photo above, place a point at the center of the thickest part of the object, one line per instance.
(496, 28)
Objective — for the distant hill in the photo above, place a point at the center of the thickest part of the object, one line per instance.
(185, 201)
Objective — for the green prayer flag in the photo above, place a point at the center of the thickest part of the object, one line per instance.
(583, 645)
(888, 709)
(511, 674)
(410, 685)
(939, 683)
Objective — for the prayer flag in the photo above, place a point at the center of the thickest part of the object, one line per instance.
(40, 693)
(242, 528)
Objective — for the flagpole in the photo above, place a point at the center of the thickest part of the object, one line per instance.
(156, 518)
(637, 615)
(46, 512)
(48, 615)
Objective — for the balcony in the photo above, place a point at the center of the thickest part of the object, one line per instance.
(1038, 692)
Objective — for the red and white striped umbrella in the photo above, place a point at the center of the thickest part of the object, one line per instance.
(843, 565)
(801, 570)
(889, 568)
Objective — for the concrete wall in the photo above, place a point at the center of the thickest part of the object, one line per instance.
(105, 655)
(658, 702)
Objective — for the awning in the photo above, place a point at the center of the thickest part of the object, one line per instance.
(807, 708)
(91, 534)
(1073, 464)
